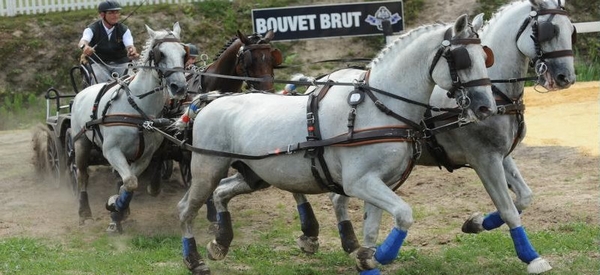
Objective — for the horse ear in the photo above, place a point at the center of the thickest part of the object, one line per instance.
(150, 31)
(477, 22)
(536, 4)
(243, 37)
(277, 57)
(461, 24)
(177, 29)
(268, 36)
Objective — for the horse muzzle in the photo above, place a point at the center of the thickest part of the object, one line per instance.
(553, 76)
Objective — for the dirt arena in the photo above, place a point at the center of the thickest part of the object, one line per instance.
(559, 160)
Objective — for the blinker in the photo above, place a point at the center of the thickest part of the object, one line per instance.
(461, 58)
(489, 60)
(546, 31)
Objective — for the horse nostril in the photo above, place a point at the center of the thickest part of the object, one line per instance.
(484, 110)
(563, 80)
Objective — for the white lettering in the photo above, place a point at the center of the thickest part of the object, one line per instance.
(340, 20)
(286, 23)
(261, 25)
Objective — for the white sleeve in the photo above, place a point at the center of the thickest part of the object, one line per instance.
(87, 35)
(128, 38)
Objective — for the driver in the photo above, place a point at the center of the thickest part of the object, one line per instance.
(108, 43)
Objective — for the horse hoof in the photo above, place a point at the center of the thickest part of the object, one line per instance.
(537, 266)
(153, 191)
(197, 267)
(308, 245)
(216, 252)
(474, 224)
(365, 259)
(201, 270)
(111, 204)
(82, 220)
(114, 228)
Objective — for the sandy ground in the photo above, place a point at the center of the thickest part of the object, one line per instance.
(548, 114)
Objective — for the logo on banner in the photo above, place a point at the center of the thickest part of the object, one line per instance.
(383, 14)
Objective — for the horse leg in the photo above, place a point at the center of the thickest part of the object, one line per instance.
(309, 241)
(491, 171)
(523, 199)
(345, 228)
(381, 196)
(202, 185)
(119, 204)
(82, 152)
(211, 214)
(227, 189)
(372, 221)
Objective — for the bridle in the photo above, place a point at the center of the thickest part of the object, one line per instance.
(244, 60)
(458, 59)
(543, 32)
(156, 57)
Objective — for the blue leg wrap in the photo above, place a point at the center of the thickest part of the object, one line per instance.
(123, 200)
(523, 247)
(187, 243)
(493, 220)
(370, 272)
(389, 249)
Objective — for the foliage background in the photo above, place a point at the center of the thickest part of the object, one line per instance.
(37, 51)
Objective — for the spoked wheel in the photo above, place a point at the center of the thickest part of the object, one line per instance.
(55, 158)
(184, 168)
(71, 167)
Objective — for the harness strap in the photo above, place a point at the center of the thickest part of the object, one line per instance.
(506, 106)
(316, 153)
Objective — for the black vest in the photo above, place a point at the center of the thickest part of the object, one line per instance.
(109, 50)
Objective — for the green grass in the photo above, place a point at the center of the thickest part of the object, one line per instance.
(570, 248)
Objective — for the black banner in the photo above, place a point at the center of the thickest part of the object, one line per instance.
(307, 22)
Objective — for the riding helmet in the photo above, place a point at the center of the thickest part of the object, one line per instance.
(109, 5)
(193, 49)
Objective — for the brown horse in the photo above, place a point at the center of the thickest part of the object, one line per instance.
(242, 56)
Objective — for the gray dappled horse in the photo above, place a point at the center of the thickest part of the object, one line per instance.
(519, 38)
(380, 139)
(112, 118)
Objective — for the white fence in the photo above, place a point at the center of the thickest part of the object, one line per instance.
(14, 7)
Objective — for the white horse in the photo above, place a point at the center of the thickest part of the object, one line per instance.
(111, 117)
(369, 117)
(486, 146)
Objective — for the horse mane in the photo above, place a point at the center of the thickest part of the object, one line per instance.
(508, 6)
(254, 39)
(403, 40)
(149, 44)
(225, 47)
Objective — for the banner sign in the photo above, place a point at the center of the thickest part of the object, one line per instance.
(321, 21)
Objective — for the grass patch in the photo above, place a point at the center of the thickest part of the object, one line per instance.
(570, 248)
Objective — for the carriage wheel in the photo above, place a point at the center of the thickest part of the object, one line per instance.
(71, 167)
(55, 158)
(166, 169)
(184, 168)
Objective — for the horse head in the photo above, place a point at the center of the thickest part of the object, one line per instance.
(546, 37)
(467, 63)
(168, 54)
(256, 58)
